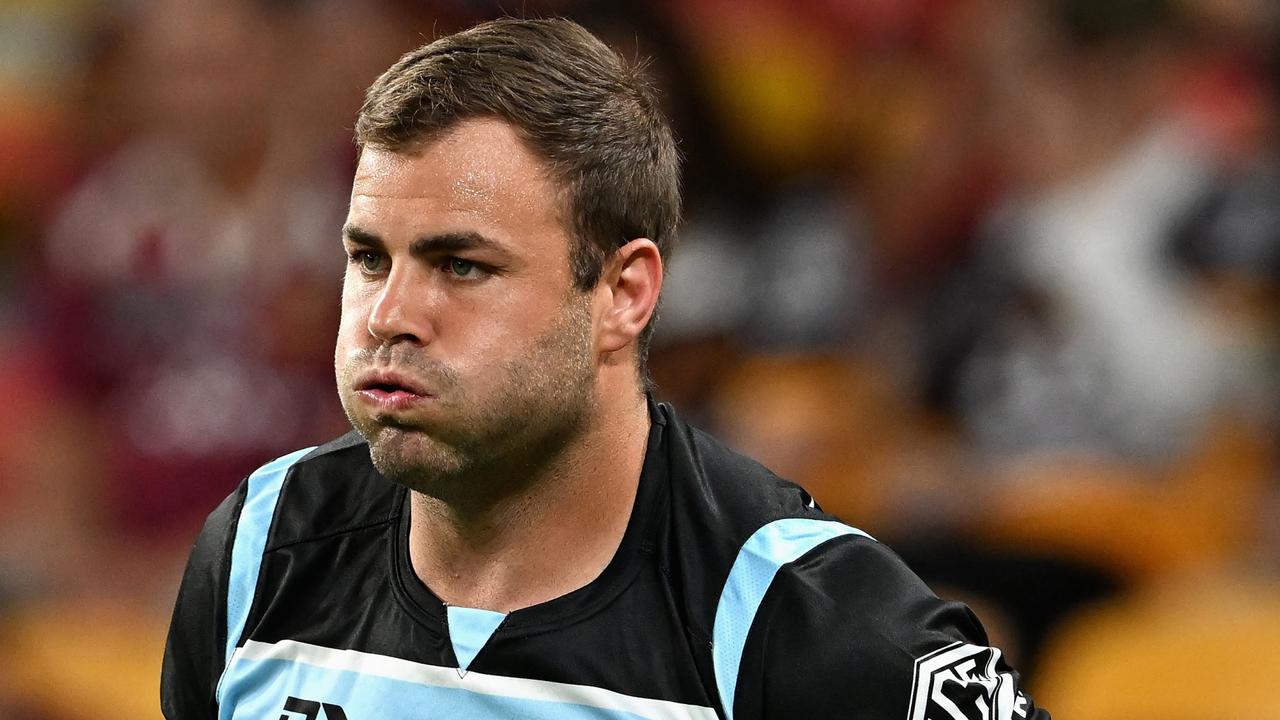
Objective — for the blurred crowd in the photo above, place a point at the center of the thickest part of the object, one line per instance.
(997, 280)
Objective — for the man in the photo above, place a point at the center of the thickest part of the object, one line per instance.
(516, 530)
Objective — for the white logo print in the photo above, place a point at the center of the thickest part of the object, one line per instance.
(962, 682)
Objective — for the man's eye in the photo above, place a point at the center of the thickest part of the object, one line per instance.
(461, 268)
(370, 263)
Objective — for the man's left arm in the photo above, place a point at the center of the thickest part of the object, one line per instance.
(847, 630)
(194, 654)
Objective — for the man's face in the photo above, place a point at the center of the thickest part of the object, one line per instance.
(464, 351)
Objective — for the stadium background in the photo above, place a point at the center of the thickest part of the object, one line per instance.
(995, 279)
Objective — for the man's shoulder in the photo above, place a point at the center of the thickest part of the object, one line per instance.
(807, 616)
(320, 491)
(333, 465)
(733, 519)
(712, 480)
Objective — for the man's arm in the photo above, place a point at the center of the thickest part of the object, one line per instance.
(847, 630)
(194, 655)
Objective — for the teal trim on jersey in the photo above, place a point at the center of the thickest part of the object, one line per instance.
(761, 556)
(469, 630)
(251, 541)
(369, 696)
(265, 677)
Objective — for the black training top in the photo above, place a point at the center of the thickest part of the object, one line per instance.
(731, 596)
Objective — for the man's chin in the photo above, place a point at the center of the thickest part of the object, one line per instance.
(410, 456)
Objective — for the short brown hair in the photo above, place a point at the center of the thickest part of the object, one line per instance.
(591, 115)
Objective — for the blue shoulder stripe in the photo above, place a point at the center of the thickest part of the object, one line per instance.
(761, 556)
(251, 541)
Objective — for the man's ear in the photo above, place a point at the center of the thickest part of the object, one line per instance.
(627, 294)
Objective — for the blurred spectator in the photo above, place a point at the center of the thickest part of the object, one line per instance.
(187, 270)
(1098, 343)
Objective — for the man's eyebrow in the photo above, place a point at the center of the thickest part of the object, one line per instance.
(358, 236)
(452, 242)
(439, 244)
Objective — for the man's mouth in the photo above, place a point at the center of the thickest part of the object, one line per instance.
(388, 382)
(389, 391)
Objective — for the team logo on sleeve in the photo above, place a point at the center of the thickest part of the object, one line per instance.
(962, 682)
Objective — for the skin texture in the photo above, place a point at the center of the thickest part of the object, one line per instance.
(523, 441)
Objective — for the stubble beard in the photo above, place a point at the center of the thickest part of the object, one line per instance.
(499, 438)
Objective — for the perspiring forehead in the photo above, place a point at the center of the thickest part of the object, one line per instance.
(479, 170)
(478, 181)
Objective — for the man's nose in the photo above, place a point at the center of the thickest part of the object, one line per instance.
(400, 310)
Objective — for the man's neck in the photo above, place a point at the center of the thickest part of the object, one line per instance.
(555, 537)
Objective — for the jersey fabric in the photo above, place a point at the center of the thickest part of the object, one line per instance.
(731, 595)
